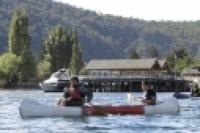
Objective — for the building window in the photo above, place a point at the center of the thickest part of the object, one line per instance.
(99, 73)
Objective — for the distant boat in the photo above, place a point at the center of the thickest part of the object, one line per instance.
(179, 95)
(57, 82)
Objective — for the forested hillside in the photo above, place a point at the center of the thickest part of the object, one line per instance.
(101, 36)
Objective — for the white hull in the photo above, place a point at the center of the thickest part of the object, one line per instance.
(33, 108)
(56, 82)
(48, 87)
(53, 87)
(170, 106)
(30, 108)
(195, 98)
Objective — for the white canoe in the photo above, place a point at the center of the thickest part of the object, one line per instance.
(194, 98)
(31, 108)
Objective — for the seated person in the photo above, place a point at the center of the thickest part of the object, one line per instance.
(195, 91)
(149, 94)
(75, 95)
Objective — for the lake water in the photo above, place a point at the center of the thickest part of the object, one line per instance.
(187, 120)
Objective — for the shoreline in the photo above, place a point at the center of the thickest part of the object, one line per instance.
(24, 85)
(39, 89)
(35, 86)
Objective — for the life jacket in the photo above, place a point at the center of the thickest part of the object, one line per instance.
(75, 94)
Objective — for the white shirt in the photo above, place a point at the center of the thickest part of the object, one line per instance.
(144, 94)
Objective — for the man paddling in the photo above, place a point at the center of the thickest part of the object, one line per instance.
(149, 94)
(76, 95)
(195, 91)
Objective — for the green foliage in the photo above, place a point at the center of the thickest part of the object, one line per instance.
(18, 37)
(58, 47)
(182, 63)
(108, 36)
(179, 59)
(19, 43)
(27, 70)
(181, 53)
(152, 52)
(43, 69)
(133, 54)
(9, 67)
(196, 60)
(171, 59)
(76, 61)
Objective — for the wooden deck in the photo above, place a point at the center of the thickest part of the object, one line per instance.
(133, 83)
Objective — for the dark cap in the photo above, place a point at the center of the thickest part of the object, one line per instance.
(75, 78)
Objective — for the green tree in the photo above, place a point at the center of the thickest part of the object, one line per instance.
(171, 59)
(182, 63)
(9, 67)
(18, 36)
(152, 52)
(133, 54)
(43, 68)
(58, 47)
(27, 70)
(196, 60)
(19, 43)
(179, 59)
(181, 53)
(76, 61)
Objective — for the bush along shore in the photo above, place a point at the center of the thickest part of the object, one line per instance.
(19, 85)
(20, 68)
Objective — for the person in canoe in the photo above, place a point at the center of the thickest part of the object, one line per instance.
(195, 91)
(149, 94)
(76, 94)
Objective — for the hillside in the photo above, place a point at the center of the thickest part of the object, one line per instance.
(101, 36)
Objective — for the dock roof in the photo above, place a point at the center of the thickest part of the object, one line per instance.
(118, 64)
(189, 71)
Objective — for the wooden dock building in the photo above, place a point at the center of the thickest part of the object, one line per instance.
(192, 74)
(125, 75)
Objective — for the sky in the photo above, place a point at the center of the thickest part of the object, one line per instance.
(174, 10)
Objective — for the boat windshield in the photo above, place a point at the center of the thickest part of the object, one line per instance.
(60, 75)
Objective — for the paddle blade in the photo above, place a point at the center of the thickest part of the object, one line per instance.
(129, 96)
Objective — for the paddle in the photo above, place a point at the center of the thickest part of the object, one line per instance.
(131, 97)
(88, 104)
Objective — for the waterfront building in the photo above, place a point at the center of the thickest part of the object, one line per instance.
(192, 74)
(128, 67)
(127, 74)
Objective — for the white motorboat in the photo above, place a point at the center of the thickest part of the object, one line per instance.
(56, 82)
